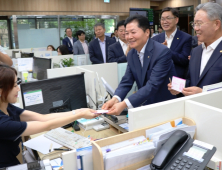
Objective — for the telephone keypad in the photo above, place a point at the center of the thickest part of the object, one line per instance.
(172, 168)
(182, 164)
(174, 164)
(177, 161)
(179, 158)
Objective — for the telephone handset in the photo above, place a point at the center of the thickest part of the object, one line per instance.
(181, 152)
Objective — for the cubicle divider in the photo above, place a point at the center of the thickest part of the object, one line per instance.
(90, 79)
(98, 161)
(28, 50)
(204, 108)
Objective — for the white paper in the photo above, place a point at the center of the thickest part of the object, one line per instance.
(33, 97)
(178, 84)
(25, 64)
(102, 111)
(18, 167)
(81, 60)
(158, 128)
(147, 167)
(42, 144)
(125, 126)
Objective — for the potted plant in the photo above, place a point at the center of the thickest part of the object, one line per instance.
(67, 62)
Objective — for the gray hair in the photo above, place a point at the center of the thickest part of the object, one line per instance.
(213, 10)
(99, 24)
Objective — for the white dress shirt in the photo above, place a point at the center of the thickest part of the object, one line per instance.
(141, 56)
(123, 45)
(2, 50)
(117, 39)
(170, 39)
(103, 48)
(71, 40)
(207, 52)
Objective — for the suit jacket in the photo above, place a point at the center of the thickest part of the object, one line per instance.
(194, 41)
(180, 48)
(78, 49)
(95, 51)
(116, 54)
(212, 72)
(68, 44)
(151, 79)
(114, 39)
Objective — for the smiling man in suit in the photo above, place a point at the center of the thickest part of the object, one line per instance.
(178, 42)
(81, 45)
(149, 64)
(116, 51)
(205, 66)
(69, 40)
(98, 48)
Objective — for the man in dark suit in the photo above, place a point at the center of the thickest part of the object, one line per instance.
(116, 37)
(69, 40)
(116, 51)
(149, 64)
(205, 66)
(81, 45)
(98, 48)
(178, 42)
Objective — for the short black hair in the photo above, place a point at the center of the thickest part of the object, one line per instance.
(80, 32)
(174, 11)
(160, 27)
(63, 50)
(67, 29)
(119, 24)
(116, 28)
(142, 21)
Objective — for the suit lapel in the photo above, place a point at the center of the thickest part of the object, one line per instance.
(162, 38)
(80, 46)
(146, 58)
(99, 48)
(197, 59)
(214, 57)
(175, 41)
(70, 44)
(120, 49)
(106, 46)
(137, 67)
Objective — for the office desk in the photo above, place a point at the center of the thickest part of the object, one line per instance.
(95, 135)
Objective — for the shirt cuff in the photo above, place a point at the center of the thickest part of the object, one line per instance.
(117, 97)
(129, 105)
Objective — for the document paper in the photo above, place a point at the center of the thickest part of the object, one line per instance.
(33, 97)
(25, 64)
(178, 84)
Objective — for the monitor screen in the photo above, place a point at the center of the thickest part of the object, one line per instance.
(40, 66)
(26, 55)
(41, 96)
(143, 13)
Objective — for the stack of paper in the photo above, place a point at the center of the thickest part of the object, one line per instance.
(126, 153)
(160, 134)
(88, 124)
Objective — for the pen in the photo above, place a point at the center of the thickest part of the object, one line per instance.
(50, 147)
(170, 80)
(58, 149)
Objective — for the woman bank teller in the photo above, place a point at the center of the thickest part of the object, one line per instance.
(16, 122)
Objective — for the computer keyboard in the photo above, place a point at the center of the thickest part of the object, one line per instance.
(67, 138)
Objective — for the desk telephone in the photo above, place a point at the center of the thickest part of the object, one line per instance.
(181, 152)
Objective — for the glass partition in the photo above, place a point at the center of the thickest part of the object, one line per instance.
(40, 31)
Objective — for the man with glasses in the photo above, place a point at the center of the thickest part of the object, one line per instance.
(205, 66)
(177, 41)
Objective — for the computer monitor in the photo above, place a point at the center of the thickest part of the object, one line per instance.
(108, 88)
(26, 55)
(44, 95)
(40, 66)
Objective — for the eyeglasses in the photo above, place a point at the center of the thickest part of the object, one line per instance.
(198, 25)
(166, 19)
(19, 81)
